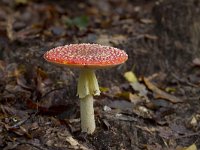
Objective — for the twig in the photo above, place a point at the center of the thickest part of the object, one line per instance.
(183, 81)
(20, 123)
(188, 135)
(51, 91)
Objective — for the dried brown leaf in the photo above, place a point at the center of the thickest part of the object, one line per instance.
(75, 144)
(159, 94)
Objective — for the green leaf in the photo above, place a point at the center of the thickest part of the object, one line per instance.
(81, 22)
(170, 89)
(104, 89)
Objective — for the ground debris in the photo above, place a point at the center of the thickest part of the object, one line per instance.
(159, 94)
(54, 137)
(74, 143)
(191, 147)
(196, 62)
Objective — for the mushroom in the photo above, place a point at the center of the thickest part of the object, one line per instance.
(88, 58)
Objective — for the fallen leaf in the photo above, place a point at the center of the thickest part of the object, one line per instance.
(146, 21)
(125, 118)
(143, 112)
(139, 88)
(196, 62)
(159, 94)
(104, 89)
(73, 142)
(191, 147)
(130, 77)
(150, 37)
(9, 28)
(121, 105)
(193, 121)
(129, 96)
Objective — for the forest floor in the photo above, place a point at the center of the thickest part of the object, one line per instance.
(159, 109)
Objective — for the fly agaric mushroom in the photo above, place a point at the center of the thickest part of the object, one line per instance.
(88, 58)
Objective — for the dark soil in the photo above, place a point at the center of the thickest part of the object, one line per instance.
(39, 106)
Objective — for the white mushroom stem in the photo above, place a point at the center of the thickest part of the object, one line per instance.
(87, 87)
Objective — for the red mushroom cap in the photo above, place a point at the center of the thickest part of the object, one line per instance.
(86, 56)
